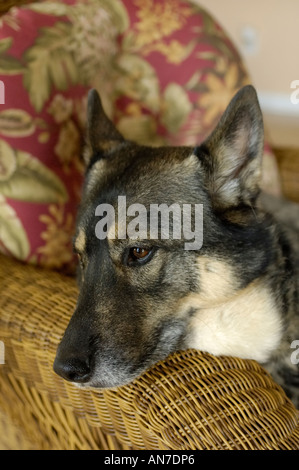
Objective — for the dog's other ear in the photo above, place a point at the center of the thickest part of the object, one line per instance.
(102, 135)
(231, 156)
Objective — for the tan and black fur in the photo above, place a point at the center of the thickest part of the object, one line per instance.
(237, 295)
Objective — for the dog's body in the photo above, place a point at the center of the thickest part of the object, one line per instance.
(142, 299)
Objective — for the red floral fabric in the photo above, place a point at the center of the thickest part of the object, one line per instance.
(165, 71)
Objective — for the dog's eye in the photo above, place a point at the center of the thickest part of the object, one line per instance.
(139, 254)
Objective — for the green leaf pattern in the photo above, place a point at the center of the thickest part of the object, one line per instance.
(45, 64)
(176, 107)
(12, 234)
(25, 178)
(67, 53)
(8, 65)
(70, 53)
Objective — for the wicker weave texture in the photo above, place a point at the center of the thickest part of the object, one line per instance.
(288, 164)
(190, 401)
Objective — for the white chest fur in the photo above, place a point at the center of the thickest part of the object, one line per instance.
(248, 325)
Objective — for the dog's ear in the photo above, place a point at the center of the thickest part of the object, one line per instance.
(231, 156)
(102, 136)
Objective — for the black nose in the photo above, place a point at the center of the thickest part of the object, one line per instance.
(73, 369)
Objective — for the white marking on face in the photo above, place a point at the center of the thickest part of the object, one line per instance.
(80, 241)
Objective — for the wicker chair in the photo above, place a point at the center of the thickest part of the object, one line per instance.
(191, 401)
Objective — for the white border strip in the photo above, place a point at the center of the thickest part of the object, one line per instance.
(278, 103)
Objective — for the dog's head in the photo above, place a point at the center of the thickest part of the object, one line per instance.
(133, 306)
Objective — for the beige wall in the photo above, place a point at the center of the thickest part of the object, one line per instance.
(267, 34)
(275, 62)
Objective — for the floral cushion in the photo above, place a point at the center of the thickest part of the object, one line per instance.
(165, 71)
(41, 126)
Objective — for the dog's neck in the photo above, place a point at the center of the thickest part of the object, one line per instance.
(249, 325)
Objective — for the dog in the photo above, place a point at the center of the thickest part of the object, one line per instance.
(140, 298)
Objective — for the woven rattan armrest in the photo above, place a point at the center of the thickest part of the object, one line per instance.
(190, 401)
